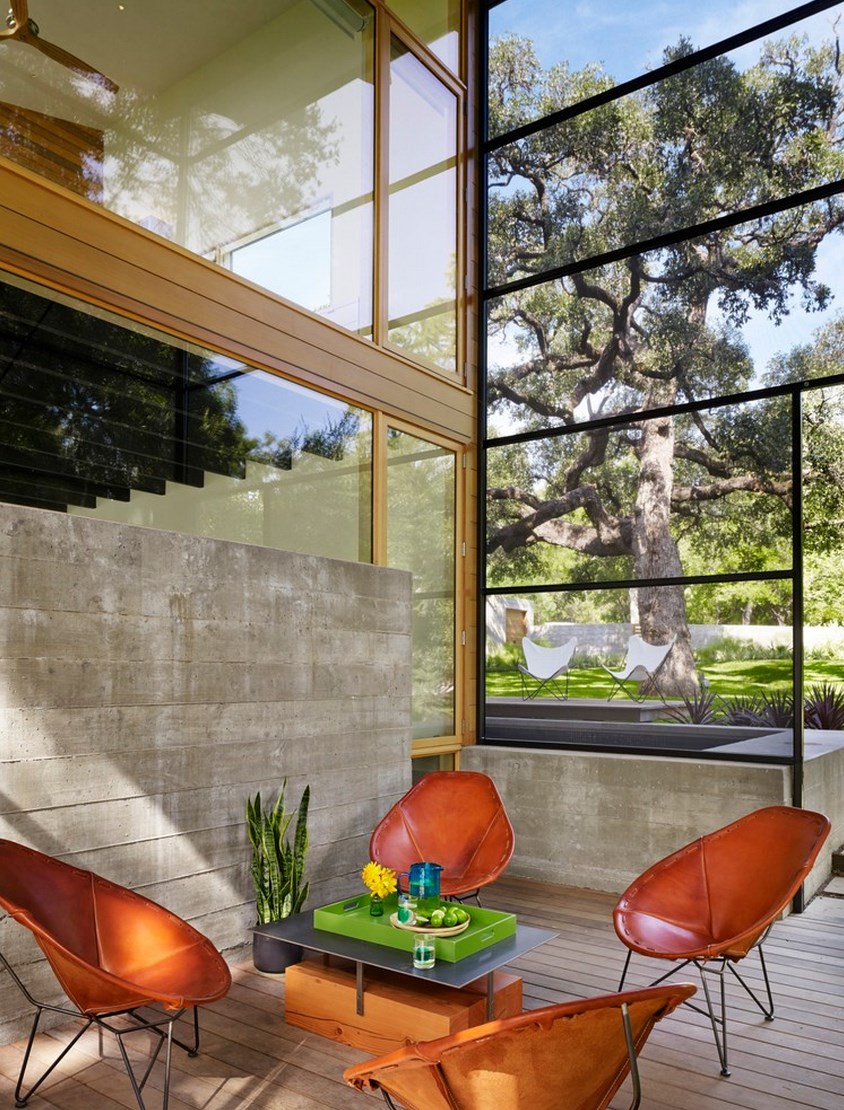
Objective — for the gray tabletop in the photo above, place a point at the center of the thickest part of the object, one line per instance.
(299, 929)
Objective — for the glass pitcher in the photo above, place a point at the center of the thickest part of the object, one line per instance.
(423, 883)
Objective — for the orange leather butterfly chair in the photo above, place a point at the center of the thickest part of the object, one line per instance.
(113, 952)
(454, 818)
(713, 901)
(574, 1055)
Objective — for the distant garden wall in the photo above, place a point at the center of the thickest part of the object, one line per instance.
(608, 639)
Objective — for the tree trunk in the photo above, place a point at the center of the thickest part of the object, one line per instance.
(662, 609)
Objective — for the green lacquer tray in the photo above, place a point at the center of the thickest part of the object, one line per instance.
(351, 918)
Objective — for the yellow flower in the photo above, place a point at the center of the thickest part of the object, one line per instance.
(379, 880)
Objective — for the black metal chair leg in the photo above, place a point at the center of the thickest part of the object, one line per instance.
(166, 1040)
(624, 970)
(191, 1050)
(767, 1011)
(709, 1011)
(22, 1099)
(168, 1057)
(720, 1040)
(138, 1086)
(631, 1057)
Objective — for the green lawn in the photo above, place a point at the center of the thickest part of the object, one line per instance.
(739, 678)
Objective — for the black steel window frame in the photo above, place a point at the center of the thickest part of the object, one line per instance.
(795, 389)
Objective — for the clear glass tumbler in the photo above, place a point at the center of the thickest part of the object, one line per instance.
(407, 909)
(424, 950)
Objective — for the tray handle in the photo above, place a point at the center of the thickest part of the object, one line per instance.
(489, 935)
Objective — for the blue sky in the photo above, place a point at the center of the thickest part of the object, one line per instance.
(629, 38)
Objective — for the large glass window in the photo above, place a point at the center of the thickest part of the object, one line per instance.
(709, 316)
(591, 503)
(740, 635)
(226, 129)
(106, 419)
(422, 213)
(664, 283)
(421, 536)
(246, 132)
(436, 23)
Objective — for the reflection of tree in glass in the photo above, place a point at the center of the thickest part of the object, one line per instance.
(644, 332)
(317, 478)
(211, 179)
(92, 408)
(335, 440)
(432, 336)
(420, 534)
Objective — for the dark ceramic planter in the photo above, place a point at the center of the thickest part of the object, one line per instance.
(272, 955)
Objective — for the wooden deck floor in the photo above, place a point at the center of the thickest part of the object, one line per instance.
(250, 1058)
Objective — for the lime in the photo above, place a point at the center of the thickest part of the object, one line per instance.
(437, 918)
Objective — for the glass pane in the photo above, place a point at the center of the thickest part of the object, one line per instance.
(823, 554)
(436, 23)
(113, 420)
(243, 132)
(694, 494)
(423, 765)
(422, 301)
(421, 538)
(744, 307)
(612, 42)
(725, 686)
(744, 129)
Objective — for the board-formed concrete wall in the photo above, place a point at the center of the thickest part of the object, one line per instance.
(150, 682)
(597, 821)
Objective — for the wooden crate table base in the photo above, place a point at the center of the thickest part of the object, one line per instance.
(376, 1000)
(323, 998)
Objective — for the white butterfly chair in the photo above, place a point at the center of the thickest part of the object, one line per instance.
(546, 667)
(643, 664)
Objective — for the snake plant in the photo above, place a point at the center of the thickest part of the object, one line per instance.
(277, 865)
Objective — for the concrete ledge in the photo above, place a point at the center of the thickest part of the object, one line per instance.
(597, 820)
(579, 709)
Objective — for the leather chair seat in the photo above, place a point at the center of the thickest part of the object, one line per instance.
(454, 818)
(574, 1055)
(112, 950)
(716, 898)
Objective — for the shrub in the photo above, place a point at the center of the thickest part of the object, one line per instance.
(734, 649)
(503, 657)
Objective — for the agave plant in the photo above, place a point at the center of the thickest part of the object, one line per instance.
(700, 708)
(277, 865)
(774, 709)
(824, 707)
